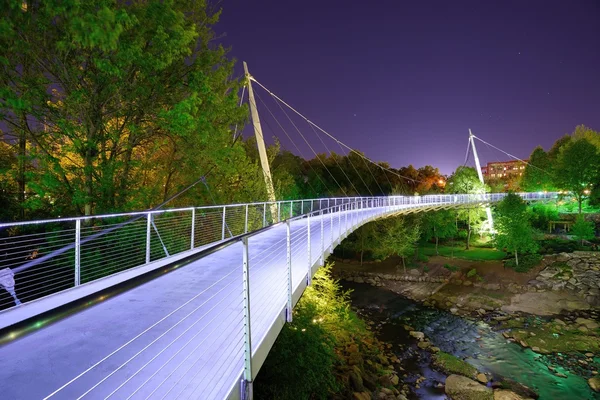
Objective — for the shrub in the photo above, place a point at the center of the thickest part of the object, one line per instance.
(526, 262)
(471, 273)
(553, 246)
(451, 268)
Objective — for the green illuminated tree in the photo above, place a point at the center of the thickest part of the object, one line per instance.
(537, 176)
(582, 229)
(397, 236)
(577, 168)
(126, 102)
(514, 231)
(465, 181)
(438, 225)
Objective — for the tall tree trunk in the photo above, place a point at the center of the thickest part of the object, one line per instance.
(516, 258)
(437, 239)
(362, 248)
(468, 237)
(579, 201)
(403, 265)
(87, 170)
(21, 172)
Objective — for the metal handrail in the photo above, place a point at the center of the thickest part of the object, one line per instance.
(198, 226)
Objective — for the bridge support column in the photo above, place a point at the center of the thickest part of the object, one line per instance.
(246, 384)
(289, 272)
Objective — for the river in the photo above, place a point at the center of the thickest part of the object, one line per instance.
(473, 341)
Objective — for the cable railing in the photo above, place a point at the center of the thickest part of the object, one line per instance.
(41, 258)
(210, 339)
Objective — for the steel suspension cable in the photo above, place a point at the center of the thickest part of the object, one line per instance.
(331, 154)
(314, 152)
(327, 133)
(294, 143)
(510, 155)
(351, 163)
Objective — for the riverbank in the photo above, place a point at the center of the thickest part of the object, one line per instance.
(549, 319)
(472, 345)
(328, 352)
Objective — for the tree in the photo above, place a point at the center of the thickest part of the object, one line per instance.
(117, 94)
(582, 229)
(465, 181)
(537, 175)
(398, 237)
(438, 225)
(514, 231)
(577, 168)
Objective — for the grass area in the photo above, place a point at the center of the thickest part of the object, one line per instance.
(473, 254)
(453, 365)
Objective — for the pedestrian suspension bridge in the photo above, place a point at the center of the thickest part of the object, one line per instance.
(170, 303)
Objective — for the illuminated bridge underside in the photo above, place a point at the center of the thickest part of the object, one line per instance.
(181, 335)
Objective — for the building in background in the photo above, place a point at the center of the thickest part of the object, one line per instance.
(503, 170)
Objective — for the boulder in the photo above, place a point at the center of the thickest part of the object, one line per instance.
(506, 395)
(594, 383)
(462, 388)
(356, 381)
(417, 335)
(588, 323)
(361, 396)
(423, 345)
(482, 378)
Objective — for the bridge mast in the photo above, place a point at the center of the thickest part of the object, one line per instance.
(260, 142)
(488, 211)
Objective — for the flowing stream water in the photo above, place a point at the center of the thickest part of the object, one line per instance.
(473, 341)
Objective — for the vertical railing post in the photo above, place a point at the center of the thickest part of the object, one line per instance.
(331, 227)
(346, 219)
(247, 380)
(309, 278)
(322, 241)
(223, 225)
(340, 223)
(291, 208)
(77, 252)
(265, 215)
(193, 233)
(246, 221)
(278, 211)
(301, 207)
(289, 272)
(148, 225)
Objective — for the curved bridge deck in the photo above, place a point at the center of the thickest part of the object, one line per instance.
(182, 334)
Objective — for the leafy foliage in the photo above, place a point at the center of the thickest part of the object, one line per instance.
(438, 225)
(514, 231)
(465, 180)
(577, 168)
(582, 229)
(304, 358)
(537, 175)
(526, 263)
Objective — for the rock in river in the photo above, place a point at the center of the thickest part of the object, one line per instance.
(595, 383)
(463, 388)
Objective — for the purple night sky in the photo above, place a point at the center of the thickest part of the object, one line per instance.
(404, 80)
